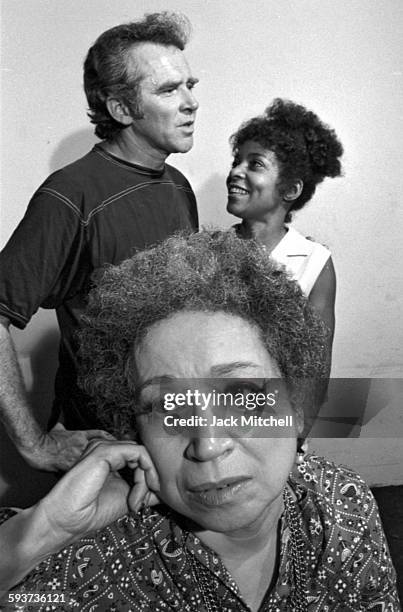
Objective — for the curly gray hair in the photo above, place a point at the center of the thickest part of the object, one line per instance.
(210, 271)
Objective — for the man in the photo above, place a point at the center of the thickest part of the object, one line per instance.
(119, 198)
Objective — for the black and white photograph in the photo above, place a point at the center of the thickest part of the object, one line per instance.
(201, 305)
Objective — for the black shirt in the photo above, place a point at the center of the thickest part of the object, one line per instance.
(94, 211)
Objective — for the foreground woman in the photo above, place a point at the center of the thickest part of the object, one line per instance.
(244, 520)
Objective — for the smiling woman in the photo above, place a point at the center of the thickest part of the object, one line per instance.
(232, 520)
(279, 159)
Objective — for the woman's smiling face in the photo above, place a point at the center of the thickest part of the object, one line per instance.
(253, 182)
(220, 480)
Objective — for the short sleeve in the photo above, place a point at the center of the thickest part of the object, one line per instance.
(37, 261)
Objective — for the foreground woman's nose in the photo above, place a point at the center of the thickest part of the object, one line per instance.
(208, 447)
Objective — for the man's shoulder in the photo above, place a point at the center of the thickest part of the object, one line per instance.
(77, 172)
(177, 177)
(82, 185)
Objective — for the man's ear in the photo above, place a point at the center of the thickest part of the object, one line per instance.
(119, 111)
(293, 191)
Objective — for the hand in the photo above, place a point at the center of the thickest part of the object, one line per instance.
(59, 449)
(92, 494)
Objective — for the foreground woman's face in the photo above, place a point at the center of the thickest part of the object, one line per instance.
(210, 474)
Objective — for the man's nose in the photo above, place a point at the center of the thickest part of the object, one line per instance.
(189, 102)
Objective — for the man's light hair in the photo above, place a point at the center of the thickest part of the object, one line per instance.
(106, 67)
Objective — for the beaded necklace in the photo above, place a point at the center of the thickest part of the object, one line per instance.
(202, 576)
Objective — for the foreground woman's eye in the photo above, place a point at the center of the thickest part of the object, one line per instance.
(149, 404)
(243, 388)
(143, 408)
(163, 406)
(159, 408)
(245, 396)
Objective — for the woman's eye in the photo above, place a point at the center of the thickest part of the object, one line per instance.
(151, 406)
(245, 397)
(143, 408)
(162, 407)
(256, 164)
(242, 388)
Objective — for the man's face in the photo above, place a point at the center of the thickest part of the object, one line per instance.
(166, 100)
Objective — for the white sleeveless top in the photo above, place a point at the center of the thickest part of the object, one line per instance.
(304, 259)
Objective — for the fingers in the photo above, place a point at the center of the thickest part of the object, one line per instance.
(86, 434)
(150, 473)
(91, 446)
(93, 434)
(139, 492)
(117, 454)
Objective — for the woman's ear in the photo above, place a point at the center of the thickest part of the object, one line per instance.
(293, 191)
(119, 111)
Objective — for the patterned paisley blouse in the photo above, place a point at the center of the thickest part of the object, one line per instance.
(142, 562)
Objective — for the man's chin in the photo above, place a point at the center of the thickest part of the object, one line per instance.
(185, 145)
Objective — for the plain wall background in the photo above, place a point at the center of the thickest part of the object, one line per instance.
(342, 59)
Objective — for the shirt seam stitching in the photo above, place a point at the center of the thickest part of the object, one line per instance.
(15, 314)
(85, 221)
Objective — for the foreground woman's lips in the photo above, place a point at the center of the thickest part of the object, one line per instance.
(218, 484)
(215, 493)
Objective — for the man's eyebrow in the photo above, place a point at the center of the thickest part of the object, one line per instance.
(175, 83)
(168, 84)
(223, 369)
